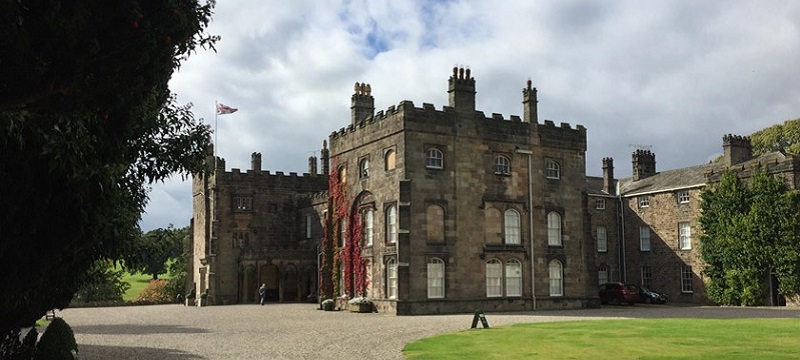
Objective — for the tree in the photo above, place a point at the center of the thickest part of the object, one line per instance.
(87, 121)
(750, 233)
(152, 250)
(780, 137)
(105, 283)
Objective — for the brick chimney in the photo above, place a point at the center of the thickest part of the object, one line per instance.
(644, 164)
(608, 176)
(362, 104)
(461, 87)
(736, 149)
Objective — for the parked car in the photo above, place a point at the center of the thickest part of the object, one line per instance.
(648, 296)
(619, 293)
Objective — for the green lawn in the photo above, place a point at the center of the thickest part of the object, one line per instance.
(138, 282)
(620, 339)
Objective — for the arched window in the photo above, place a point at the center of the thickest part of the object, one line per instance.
(363, 168)
(502, 166)
(556, 278)
(369, 221)
(391, 224)
(435, 278)
(513, 278)
(494, 278)
(391, 278)
(553, 229)
(512, 227)
(552, 169)
(389, 160)
(434, 159)
(435, 223)
(342, 171)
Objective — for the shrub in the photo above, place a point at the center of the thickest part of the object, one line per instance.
(328, 305)
(57, 342)
(12, 348)
(176, 285)
(105, 283)
(155, 292)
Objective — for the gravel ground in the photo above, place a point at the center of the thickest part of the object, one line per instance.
(300, 331)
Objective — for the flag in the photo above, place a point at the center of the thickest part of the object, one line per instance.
(225, 109)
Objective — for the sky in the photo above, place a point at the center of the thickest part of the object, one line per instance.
(669, 76)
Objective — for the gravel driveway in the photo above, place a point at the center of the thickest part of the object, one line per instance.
(300, 331)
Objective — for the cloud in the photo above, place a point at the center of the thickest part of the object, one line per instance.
(674, 75)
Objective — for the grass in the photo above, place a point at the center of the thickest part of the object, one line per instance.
(138, 281)
(620, 339)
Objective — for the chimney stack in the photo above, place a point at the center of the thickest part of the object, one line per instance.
(608, 176)
(255, 162)
(324, 157)
(530, 111)
(312, 165)
(644, 164)
(461, 88)
(362, 104)
(736, 149)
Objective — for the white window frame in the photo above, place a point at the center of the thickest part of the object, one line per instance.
(369, 226)
(552, 169)
(391, 224)
(600, 204)
(644, 238)
(602, 275)
(502, 166)
(556, 278)
(602, 239)
(391, 278)
(685, 235)
(494, 278)
(687, 279)
(554, 236)
(434, 159)
(683, 197)
(513, 273)
(435, 278)
(643, 200)
(511, 222)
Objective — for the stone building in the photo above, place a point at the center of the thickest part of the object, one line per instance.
(656, 232)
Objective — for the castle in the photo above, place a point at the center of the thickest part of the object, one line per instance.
(460, 211)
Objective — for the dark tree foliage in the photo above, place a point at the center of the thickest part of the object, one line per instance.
(749, 232)
(104, 283)
(779, 137)
(153, 249)
(87, 121)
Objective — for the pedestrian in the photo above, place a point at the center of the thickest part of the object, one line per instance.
(262, 293)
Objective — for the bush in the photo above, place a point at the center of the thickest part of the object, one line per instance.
(12, 348)
(105, 284)
(176, 285)
(155, 292)
(57, 342)
(328, 304)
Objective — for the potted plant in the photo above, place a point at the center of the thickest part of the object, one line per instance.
(328, 305)
(203, 299)
(360, 305)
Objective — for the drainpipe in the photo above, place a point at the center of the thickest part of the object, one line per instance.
(530, 224)
(621, 237)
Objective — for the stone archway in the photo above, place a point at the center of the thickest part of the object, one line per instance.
(290, 283)
(268, 275)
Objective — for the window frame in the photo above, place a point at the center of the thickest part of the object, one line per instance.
(646, 275)
(515, 281)
(556, 283)
(309, 219)
(391, 224)
(687, 280)
(512, 233)
(602, 275)
(391, 278)
(645, 230)
(436, 287)
(369, 226)
(683, 197)
(434, 159)
(387, 165)
(600, 204)
(552, 169)
(242, 203)
(554, 233)
(363, 167)
(602, 241)
(684, 238)
(643, 201)
(502, 165)
(494, 284)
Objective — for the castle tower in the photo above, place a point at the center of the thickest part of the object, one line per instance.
(362, 104)
(608, 176)
(312, 165)
(530, 112)
(644, 164)
(736, 149)
(461, 88)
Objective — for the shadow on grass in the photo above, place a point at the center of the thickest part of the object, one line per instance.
(641, 311)
(127, 352)
(130, 329)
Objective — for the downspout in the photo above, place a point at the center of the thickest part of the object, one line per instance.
(621, 237)
(530, 224)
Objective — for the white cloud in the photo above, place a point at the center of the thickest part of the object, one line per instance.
(675, 75)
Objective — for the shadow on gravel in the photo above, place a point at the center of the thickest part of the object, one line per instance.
(126, 352)
(131, 329)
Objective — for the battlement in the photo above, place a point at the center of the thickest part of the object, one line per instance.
(736, 149)
(735, 140)
(563, 136)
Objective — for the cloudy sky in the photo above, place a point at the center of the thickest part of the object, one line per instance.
(674, 76)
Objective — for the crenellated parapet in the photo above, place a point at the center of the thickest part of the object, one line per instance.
(563, 136)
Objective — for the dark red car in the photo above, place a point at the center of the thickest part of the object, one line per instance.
(618, 293)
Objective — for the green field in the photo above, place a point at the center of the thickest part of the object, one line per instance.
(620, 339)
(138, 282)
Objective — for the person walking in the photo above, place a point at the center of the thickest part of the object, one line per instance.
(262, 293)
